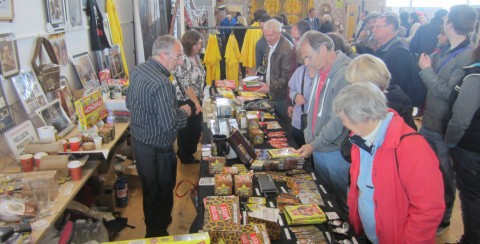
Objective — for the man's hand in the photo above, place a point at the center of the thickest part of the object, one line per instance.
(264, 89)
(290, 111)
(305, 151)
(299, 99)
(187, 109)
(424, 61)
(198, 108)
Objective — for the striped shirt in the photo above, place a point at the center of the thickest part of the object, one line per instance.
(155, 116)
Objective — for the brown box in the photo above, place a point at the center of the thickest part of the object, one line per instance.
(243, 185)
(273, 228)
(222, 219)
(48, 147)
(254, 233)
(216, 164)
(54, 162)
(223, 184)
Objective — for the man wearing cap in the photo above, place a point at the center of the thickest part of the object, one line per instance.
(365, 43)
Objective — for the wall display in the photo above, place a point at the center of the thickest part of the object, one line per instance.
(55, 15)
(65, 96)
(20, 135)
(6, 10)
(74, 14)
(86, 72)
(53, 114)
(59, 47)
(29, 91)
(114, 61)
(6, 116)
(9, 62)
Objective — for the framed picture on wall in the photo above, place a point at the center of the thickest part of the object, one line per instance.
(55, 15)
(6, 116)
(9, 62)
(115, 65)
(75, 15)
(86, 72)
(29, 91)
(6, 10)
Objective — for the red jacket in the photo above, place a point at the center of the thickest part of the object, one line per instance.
(409, 203)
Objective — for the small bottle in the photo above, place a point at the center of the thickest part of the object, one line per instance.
(121, 191)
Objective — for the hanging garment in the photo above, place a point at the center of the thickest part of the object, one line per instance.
(232, 58)
(212, 59)
(98, 38)
(116, 29)
(248, 49)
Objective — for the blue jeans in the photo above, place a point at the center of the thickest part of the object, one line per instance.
(435, 139)
(333, 172)
(467, 169)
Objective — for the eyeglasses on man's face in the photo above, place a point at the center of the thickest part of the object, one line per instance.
(178, 57)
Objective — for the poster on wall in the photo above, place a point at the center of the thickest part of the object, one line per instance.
(154, 19)
(59, 47)
(6, 10)
(74, 14)
(55, 15)
(29, 91)
(86, 72)
(19, 136)
(9, 64)
(6, 116)
(114, 61)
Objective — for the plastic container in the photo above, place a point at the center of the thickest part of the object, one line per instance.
(121, 191)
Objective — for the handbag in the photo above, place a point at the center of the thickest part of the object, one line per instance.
(187, 101)
(48, 74)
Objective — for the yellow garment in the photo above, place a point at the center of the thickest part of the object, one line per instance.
(212, 59)
(248, 49)
(232, 58)
(116, 29)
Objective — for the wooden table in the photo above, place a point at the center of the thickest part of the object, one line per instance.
(120, 129)
(66, 193)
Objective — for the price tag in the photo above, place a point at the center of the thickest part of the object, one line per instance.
(244, 213)
(287, 233)
(313, 176)
(354, 240)
(257, 191)
(271, 204)
(330, 204)
(283, 189)
(323, 189)
(280, 220)
(332, 215)
(327, 234)
(68, 189)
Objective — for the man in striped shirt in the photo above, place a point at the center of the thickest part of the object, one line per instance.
(155, 120)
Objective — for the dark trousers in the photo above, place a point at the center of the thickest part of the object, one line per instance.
(298, 137)
(187, 138)
(157, 169)
(467, 172)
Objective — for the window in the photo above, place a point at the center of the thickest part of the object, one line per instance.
(398, 3)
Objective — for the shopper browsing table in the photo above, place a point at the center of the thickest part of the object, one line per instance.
(155, 120)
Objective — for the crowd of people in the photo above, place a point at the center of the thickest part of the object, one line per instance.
(350, 107)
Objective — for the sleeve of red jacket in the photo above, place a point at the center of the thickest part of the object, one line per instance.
(421, 177)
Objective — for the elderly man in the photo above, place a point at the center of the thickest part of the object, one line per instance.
(324, 132)
(280, 62)
(155, 120)
(365, 43)
(300, 85)
(396, 193)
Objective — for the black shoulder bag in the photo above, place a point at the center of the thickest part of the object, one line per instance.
(187, 100)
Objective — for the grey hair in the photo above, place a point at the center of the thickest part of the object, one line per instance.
(316, 39)
(273, 24)
(163, 43)
(361, 102)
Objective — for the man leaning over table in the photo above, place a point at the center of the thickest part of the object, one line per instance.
(155, 120)
(325, 132)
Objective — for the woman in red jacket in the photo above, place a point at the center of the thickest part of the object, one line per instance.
(396, 189)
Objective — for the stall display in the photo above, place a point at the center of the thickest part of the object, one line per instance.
(9, 62)
(86, 72)
(53, 114)
(29, 91)
(90, 109)
(6, 117)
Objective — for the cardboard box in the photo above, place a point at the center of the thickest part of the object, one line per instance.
(196, 238)
(216, 165)
(222, 218)
(54, 162)
(48, 147)
(243, 185)
(223, 184)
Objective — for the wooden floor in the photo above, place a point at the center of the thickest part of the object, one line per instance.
(184, 211)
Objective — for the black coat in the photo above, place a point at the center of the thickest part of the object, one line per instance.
(425, 39)
(326, 27)
(400, 102)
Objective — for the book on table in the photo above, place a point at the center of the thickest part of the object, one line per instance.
(304, 214)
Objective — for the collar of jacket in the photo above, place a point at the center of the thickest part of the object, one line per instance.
(395, 130)
(463, 44)
(385, 47)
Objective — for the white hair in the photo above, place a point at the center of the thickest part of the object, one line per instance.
(273, 24)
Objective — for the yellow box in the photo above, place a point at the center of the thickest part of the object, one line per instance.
(196, 238)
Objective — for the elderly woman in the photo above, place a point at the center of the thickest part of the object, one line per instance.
(327, 25)
(189, 88)
(396, 188)
(367, 67)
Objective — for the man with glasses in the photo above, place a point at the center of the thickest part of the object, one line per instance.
(394, 52)
(325, 132)
(155, 120)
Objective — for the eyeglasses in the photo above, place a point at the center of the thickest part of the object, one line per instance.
(178, 57)
(380, 26)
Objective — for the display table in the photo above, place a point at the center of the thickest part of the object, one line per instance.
(66, 193)
(120, 129)
(286, 235)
